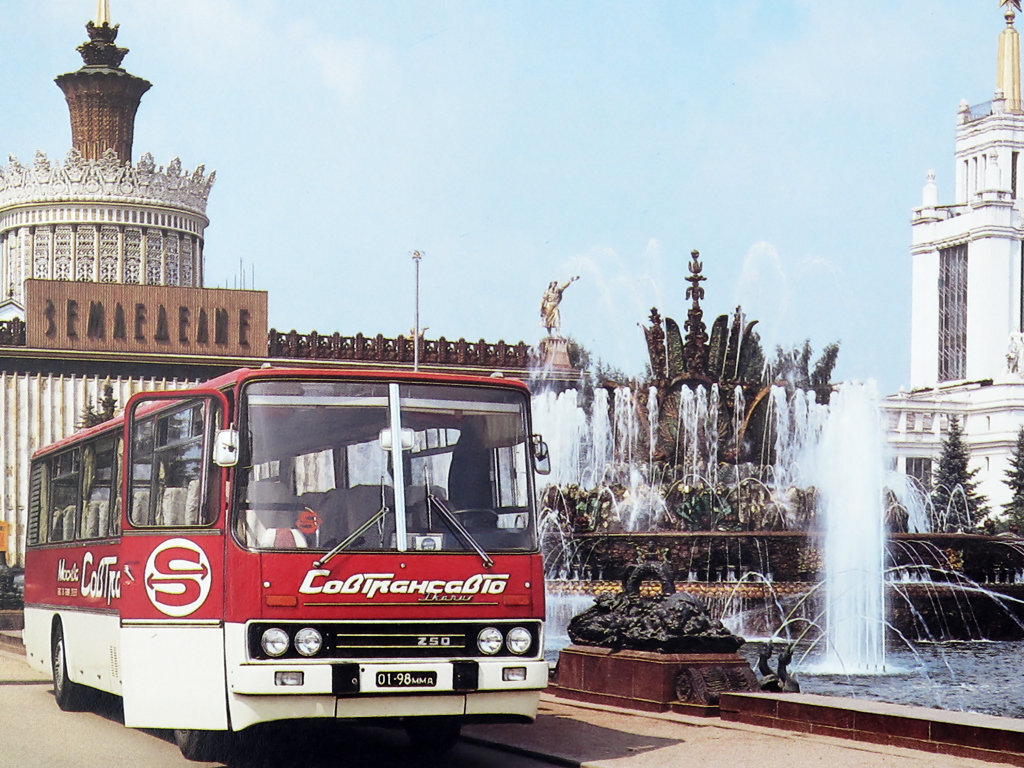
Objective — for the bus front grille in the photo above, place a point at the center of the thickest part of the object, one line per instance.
(406, 640)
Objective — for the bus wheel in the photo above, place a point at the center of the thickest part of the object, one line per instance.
(203, 746)
(71, 697)
(432, 736)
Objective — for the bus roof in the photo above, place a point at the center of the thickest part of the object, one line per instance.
(241, 374)
(238, 376)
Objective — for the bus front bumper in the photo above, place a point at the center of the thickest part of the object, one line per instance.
(503, 688)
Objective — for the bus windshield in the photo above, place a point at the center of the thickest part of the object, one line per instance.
(384, 466)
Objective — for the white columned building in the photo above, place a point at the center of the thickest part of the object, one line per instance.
(967, 349)
(98, 217)
(101, 221)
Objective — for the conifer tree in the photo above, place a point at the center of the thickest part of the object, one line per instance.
(1015, 479)
(955, 497)
(92, 415)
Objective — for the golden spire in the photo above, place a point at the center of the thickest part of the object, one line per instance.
(103, 11)
(1008, 65)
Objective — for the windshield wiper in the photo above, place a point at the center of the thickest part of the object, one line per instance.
(377, 517)
(432, 501)
(456, 525)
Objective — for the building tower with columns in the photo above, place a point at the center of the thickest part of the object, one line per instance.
(97, 217)
(967, 304)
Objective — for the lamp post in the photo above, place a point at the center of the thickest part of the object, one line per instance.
(416, 257)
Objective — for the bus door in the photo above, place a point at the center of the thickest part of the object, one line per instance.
(172, 595)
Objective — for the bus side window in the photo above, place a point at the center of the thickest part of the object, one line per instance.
(179, 454)
(114, 528)
(38, 504)
(167, 469)
(140, 511)
(97, 485)
(64, 496)
(511, 466)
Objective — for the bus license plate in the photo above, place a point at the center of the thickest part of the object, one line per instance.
(395, 679)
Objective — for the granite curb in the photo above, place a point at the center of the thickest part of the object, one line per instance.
(10, 640)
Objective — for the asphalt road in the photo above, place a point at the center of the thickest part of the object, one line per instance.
(35, 733)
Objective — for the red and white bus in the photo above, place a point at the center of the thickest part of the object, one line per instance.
(285, 543)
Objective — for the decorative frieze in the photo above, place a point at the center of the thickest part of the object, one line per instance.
(108, 254)
(41, 253)
(13, 261)
(12, 333)
(85, 253)
(154, 260)
(360, 348)
(104, 181)
(132, 255)
(186, 261)
(380, 349)
(62, 253)
(102, 221)
(171, 261)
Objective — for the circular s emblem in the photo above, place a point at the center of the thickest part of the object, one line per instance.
(177, 577)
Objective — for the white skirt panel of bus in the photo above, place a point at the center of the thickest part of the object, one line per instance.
(90, 642)
(174, 677)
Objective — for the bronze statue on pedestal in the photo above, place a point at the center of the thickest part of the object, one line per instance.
(550, 317)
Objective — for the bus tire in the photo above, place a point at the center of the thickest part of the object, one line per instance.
(432, 736)
(203, 746)
(70, 696)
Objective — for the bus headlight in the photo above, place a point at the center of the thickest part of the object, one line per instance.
(274, 642)
(308, 641)
(519, 640)
(489, 641)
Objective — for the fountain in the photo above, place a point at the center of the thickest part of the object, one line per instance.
(766, 490)
(852, 497)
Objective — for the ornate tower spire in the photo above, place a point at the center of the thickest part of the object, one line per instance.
(102, 98)
(1008, 66)
(695, 348)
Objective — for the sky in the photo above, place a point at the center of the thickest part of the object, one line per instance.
(518, 142)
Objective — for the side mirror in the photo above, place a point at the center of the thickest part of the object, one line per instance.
(225, 448)
(541, 456)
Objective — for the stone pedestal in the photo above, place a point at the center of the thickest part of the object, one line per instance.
(689, 683)
(555, 353)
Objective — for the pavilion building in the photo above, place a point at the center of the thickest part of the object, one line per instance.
(967, 303)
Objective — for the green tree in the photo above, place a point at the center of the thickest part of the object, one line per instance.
(1015, 479)
(955, 497)
(104, 410)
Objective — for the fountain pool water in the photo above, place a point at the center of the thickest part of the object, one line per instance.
(972, 676)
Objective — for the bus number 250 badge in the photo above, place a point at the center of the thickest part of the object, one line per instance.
(177, 577)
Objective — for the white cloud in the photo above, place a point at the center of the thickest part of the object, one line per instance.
(349, 68)
(208, 32)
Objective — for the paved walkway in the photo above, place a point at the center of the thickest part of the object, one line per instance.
(608, 737)
(575, 734)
